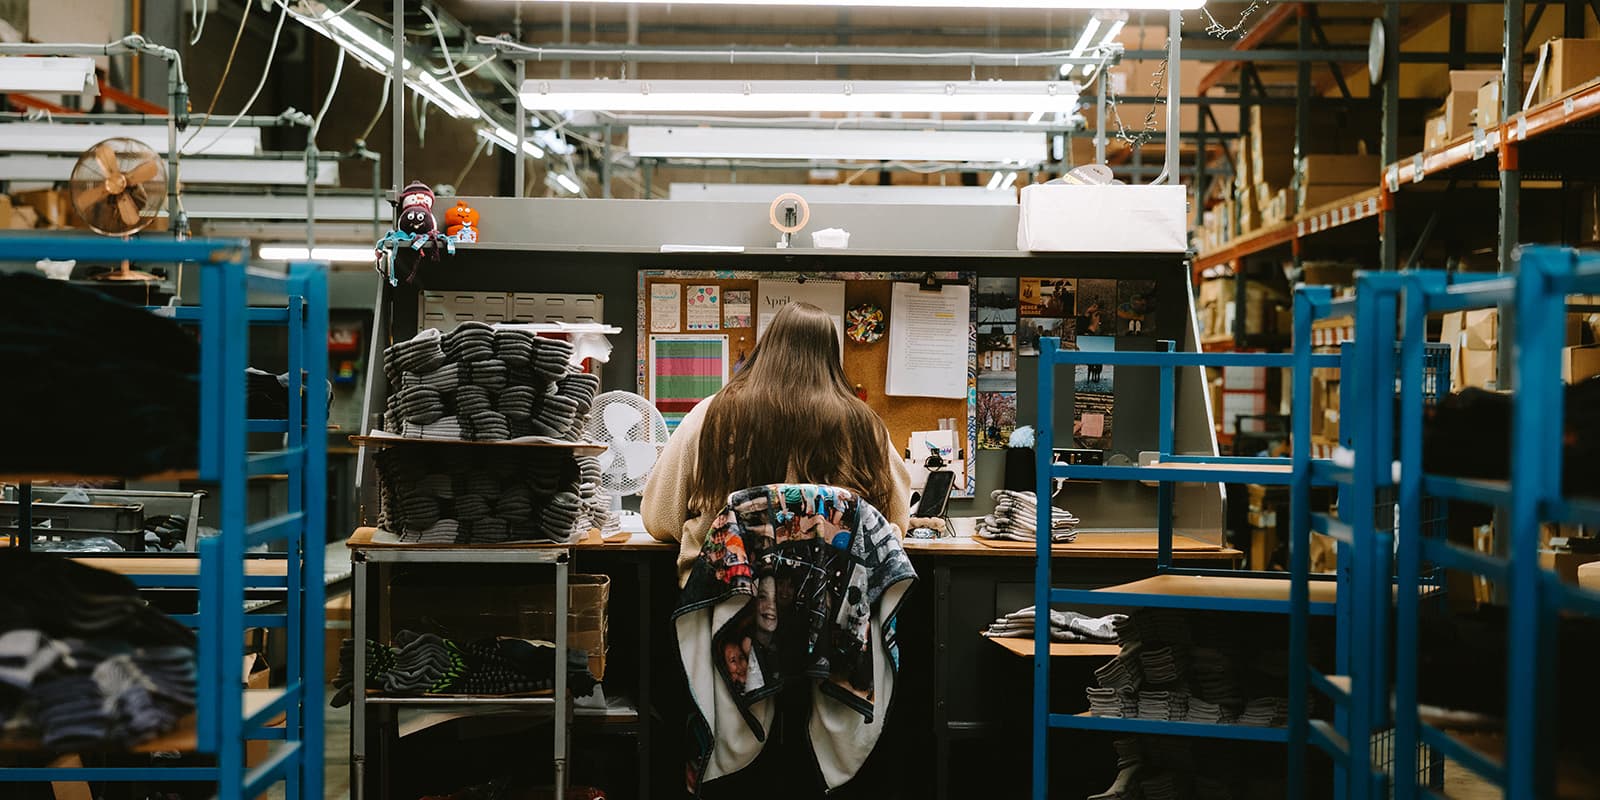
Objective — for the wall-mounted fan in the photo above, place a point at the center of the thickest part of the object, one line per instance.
(634, 434)
(117, 188)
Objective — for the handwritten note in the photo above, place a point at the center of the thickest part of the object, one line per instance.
(704, 308)
(664, 307)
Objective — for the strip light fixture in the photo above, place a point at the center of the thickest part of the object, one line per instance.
(218, 171)
(298, 252)
(650, 141)
(1112, 32)
(1002, 97)
(379, 57)
(498, 135)
(49, 74)
(74, 137)
(1041, 5)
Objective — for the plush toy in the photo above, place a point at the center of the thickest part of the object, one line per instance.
(461, 222)
(414, 227)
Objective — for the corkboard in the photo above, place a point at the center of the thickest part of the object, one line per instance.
(866, 365)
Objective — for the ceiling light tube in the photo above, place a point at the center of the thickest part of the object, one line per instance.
(296, 252)
(1086, 37)
(504, 138)
(48, 74)
(1004, 97)
(994, 181)
(45, 137)
(568, 183)
(441, 96)
(650, 141)
(1042, 5)
(1009, 180)
(1111, 36)
(217, 171)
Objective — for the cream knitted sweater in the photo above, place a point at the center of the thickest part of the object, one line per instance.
(665, 502)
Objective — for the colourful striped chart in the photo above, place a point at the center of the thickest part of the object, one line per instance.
(685, 369)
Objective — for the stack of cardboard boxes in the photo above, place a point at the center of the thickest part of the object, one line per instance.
(1474, 337)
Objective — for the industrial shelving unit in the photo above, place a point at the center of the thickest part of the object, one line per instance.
(557, 556)
(1172, 586)
(1393, 306)
(228, 715)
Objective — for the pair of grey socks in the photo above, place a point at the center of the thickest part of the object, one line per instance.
(1065, 626)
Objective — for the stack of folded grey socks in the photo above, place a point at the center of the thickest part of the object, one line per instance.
(1162, 673)
(1065, 626)
(1016, 517)
(471, 495)
(483, 383)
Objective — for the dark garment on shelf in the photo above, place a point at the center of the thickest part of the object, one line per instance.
(1468, 435)
(104, 387)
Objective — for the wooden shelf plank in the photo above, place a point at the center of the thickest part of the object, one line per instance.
(1213, 586)
(381, 439)
(181, 739)
(1024, 647)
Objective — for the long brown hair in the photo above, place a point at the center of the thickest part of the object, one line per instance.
(791, 411)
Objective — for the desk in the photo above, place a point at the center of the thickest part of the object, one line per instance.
(973, 685)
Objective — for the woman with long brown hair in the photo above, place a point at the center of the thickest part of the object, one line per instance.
(790, 416)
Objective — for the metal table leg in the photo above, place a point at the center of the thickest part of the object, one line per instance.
(563, 710)
(642, 565)
(358, 703)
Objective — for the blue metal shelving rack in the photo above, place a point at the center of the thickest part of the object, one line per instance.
(1200, 589)
(1394, 563)
(228, 716)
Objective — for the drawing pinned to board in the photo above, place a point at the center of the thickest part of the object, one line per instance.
(1047, 297)
(1030, 329)
(1093, 397)
(997, 334)
(997, 419)
(1136, 308)
(684, 370)
(703, 307)
(665, 305)
(1097, 307)
(736, 308)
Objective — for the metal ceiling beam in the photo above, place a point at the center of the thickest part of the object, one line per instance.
(847, 123)
(1270, 25)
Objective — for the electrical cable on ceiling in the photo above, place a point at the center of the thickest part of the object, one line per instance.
(333, 89)
(1217, 29)
(383, 105)
(227, 67)
(307, 18)
(266, 70)
(197, 19)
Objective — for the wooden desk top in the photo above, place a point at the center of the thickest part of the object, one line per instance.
(1138, 545)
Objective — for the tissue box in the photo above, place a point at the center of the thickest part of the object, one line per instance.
(1103, 219)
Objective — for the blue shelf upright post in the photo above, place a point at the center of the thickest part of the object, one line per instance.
(1044, 458)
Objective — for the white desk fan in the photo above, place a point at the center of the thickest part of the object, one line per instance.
(634, 434)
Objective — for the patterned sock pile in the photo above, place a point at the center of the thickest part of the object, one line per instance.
(480, 383)
(423, 664)
(1015, 517)
(479, 495)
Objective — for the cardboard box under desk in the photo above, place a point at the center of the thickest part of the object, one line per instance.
(469, 610)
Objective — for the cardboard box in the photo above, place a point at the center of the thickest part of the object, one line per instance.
(1568, 64)
(487, 608)
(1580, 363)
(1589, 575)
(1461, 105)
(1436, 131)
(336, 629)
(1317, 196)
(1488, 114)
(1474, 342)
(53, 206)
(1347, 170)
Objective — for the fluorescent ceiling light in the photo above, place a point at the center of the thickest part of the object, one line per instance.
(800, 96)
(840, 193)
(296, 252)
(568, 183)
(507, 141)
(1181, 5)
(847, 145)
(1111, 36)
(994, 181)
(1008, 180)
(356, 41)
(443, 97)
(50, 74)
(1087, 37)
(217, 171)
(75, 138)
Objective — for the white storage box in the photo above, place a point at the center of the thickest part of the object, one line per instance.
(1103, 219)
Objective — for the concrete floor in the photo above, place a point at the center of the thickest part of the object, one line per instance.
(336, 756)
